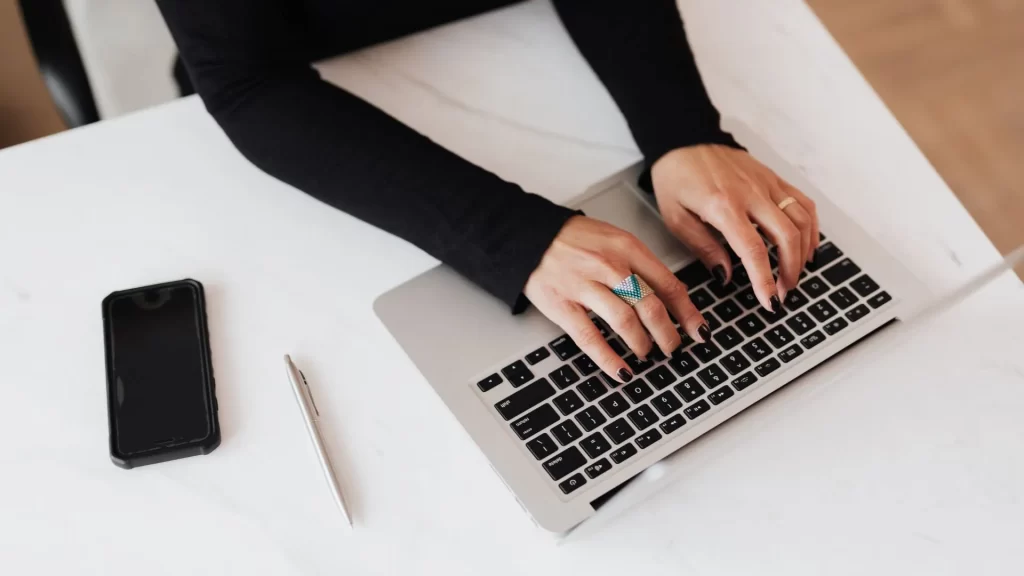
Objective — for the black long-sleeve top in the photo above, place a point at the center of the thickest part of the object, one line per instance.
(249, 60)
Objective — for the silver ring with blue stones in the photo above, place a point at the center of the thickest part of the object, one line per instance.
(632, 289)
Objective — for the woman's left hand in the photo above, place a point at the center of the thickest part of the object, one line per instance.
(730, 190)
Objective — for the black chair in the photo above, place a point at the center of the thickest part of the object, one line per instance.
(60, 63)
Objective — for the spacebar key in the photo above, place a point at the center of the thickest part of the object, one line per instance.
(525, 399)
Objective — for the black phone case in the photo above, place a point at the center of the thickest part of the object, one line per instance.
(163, 454)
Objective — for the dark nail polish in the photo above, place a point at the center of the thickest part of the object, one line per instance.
(704, 332)
(719, 273)
(776, 304)
(625, 375)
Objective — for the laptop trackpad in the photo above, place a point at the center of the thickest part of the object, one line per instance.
(634, 210)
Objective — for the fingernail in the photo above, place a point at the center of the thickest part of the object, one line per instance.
(625, 375)
(719, 273)
(704, 332)
(776, 304)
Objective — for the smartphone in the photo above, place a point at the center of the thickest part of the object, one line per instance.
(161, 402)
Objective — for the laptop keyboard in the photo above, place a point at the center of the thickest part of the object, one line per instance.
(579, 423)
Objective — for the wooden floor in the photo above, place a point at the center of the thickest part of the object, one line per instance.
(952, 72)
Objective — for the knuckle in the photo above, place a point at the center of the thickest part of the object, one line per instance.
(625, 320)
(674, 290)
(754, 248)
(650, 307)
(588, 339)
(721, 206)
(791, 234)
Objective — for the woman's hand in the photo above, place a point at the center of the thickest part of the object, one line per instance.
(730, 190)
(577, 273)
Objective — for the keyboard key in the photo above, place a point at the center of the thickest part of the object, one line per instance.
(795, 299)
(568, 403)
(601, 327)
(666, 403)
(779, 336)
(656, 355)
(542, 446)
(822, 310)
(489, 382)
(643, 417)
(522, 400)
(757, 349)
(751, 325)
(720, 395)
(800, 322)
(617, 347)
(592, 389)
(619, 431)
(706, 352)
(661, 377)
(595, 445)
(637, 390)
(728, 310)
(735, 362)
(747, 298)
(517, 373)
(694, 274)
(609, 380)
(636, 365)
(564, 377)
(721, 290)
(566, 432)
(572, 483)
(812, 339)
(622, 454)
(841, 272)
(701, 298)
(689, 389)
(740, 276)
(823, 255)
(843, 298)
(772, 317)
(537, 355)
(879, 299)
(682, 363)
(814, 287)
(712, 376)
(563, 464)
(672, 424)
(767, 367)
(534, 421)
(591, 418)
(713, 322)
(728, 338)
(564, 347)
(614, 404)
(648, 438)
(585, 365)
(744, 381)
(857, 313)
(835, 326)
(790, 354)
(598, 468)
(864, 285)
(695, 410)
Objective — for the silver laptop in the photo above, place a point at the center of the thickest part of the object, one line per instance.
(562, 435)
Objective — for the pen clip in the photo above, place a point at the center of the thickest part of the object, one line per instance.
(309, 393)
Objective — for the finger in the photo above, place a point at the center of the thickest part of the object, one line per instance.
(652, 312)
(572, 318)
(784, 234)
(812, 211)
(802, 220)
(735, 225)
(672, 293)
(699, 239)
(620, 316)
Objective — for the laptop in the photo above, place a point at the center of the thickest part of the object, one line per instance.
(563, 436)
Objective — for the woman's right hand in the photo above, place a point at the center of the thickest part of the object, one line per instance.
(586, 259)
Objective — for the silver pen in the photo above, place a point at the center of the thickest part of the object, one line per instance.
(312, 417)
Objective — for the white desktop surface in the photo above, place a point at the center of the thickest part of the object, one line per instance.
(902, 460)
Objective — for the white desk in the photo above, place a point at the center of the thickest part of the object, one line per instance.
(906, 462)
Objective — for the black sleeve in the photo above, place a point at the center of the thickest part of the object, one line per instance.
(639, 51)
(249, 61)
